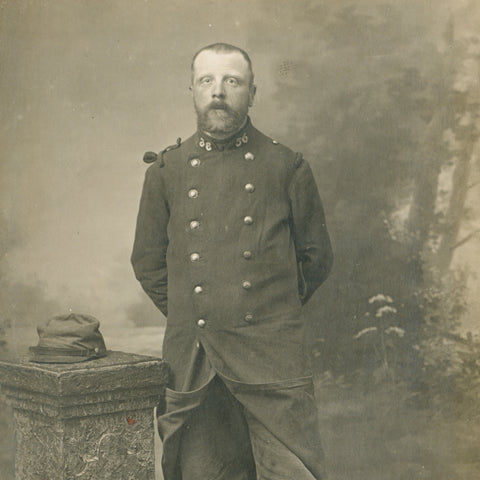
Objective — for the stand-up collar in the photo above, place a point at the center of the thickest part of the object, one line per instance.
(206, 142)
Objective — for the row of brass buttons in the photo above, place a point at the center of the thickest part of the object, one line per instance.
(195, 257)
(195, 162)
(247, 254)
(249, 318)
(198, 289)
(194, 224)
(193, 192)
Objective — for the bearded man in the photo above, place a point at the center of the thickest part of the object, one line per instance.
(230, 243)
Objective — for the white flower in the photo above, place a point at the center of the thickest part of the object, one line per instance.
(364, 331)
(380, 298)
(386, 309)
(399, 331)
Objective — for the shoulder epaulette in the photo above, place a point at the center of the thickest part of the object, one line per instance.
(151, 157)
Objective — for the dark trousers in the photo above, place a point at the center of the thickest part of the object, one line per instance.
(215, 428)
(215, 441)
(221, 440)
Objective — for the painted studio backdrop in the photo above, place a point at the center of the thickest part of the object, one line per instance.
(381, 97)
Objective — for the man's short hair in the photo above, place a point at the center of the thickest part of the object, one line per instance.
(225, 48)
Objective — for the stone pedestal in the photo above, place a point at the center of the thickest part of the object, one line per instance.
(85, 421)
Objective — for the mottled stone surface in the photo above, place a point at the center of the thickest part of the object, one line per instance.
(89, 421)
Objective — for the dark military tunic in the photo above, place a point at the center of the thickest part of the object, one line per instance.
(230, 242)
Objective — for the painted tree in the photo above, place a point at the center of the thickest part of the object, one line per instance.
(373, 99)
(450, 358)
(463, 134)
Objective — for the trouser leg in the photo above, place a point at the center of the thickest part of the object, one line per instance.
(283, 428)
(214, 442)
(273, 459)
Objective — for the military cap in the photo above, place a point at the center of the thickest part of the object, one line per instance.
(68, 338)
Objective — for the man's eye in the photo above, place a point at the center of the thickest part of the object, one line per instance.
(206, 80)
(232, 81)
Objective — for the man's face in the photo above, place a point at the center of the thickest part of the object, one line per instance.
(222, 92)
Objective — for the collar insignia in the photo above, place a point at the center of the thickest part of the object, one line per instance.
(237, 141)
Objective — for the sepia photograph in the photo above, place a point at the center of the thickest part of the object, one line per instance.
(240, 240)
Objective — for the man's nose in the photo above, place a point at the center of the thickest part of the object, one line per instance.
(218, 90)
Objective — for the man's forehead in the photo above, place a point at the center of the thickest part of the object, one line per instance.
(211, 60)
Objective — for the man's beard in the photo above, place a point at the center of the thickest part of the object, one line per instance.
(219, 118)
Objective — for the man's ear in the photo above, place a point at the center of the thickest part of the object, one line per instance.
(251, 97)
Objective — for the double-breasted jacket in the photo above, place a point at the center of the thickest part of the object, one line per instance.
(230, 242)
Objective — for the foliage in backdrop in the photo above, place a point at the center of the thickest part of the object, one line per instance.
(393, 139)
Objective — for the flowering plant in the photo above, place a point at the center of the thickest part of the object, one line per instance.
(383, 337)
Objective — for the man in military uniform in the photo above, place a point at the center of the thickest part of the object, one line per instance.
(230, 243)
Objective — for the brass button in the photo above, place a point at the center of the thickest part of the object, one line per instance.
(249, 188)
(198, 289)
(248, 318)
(275, 142)
(249, 156)
(248, 220)
(194, 257)
(194, 224)
(247, 254)
(246, 285)
(194, 162)
(193, 193)
(201, 323)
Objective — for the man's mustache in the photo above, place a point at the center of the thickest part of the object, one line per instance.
(219, 106)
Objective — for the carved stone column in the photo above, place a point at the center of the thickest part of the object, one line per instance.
(85, 421)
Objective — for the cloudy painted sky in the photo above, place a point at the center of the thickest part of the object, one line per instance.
(85, 88)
